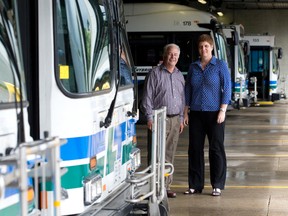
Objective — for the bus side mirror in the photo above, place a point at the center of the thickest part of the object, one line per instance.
(246, 47)
(280, 53)
(235, 37)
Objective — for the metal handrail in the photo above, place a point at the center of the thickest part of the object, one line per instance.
(49, 148)
(49, 151)
(155, 174)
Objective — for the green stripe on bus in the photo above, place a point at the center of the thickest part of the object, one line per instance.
(126, 152)
(11, 210)
(111, 155)
(74, 176)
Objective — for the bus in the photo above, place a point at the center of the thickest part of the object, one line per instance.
(150, 26)
(21, 157)
(81, 87)
(13, 105)
(263, 67)
(239, 49)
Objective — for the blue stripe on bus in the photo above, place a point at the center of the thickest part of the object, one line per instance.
(10, 191)
(84, 147)
(119, 137)
(131, 129)
(273, 84)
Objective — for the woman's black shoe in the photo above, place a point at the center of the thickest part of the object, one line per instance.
(192, 191)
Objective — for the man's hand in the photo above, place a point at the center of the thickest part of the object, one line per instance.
(149, 124)
(181, 128)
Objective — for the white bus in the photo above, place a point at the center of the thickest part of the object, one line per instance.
(19, 153)
(14, 128)
(239, 49)
(76, 92)
(264, 66)
(150, 26)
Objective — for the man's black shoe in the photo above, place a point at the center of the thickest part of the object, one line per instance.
(171, 194)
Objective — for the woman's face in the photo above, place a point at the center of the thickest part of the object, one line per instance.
(205, 49)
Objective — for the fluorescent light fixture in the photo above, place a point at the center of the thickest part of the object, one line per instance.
(202, 1)
(220, 13)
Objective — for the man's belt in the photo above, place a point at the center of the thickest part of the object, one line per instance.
(172, 115)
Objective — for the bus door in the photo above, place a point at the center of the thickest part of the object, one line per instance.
(259, 68)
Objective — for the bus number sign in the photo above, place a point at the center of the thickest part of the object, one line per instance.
(187, 23)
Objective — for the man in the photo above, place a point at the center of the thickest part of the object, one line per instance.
(164, 86)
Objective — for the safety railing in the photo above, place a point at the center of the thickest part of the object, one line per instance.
(254, 93)
(154, 175)
(35, 165)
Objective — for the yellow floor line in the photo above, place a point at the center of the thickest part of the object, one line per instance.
(240, 186)
(254, 155)
(254, 140)
(258, 155)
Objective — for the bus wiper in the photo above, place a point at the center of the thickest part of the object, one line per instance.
(133, 113)
(108, 120)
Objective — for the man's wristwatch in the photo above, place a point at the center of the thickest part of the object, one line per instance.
(222, 110)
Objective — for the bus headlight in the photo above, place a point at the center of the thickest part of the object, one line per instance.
(237, 95)
(92, 189)
(135, 157)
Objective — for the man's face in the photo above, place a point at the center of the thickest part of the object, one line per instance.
(172, 56)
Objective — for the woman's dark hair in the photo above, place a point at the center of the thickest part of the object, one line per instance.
(205, 37)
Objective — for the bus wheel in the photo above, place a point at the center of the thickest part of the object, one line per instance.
(163, 210)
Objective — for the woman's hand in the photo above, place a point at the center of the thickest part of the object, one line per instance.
(186, 116)
(221, 117)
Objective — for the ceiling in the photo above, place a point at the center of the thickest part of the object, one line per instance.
(228, 4)
(256, 4)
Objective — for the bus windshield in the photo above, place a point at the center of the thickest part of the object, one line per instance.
(241, 61)
(221, 49)
(83, 52)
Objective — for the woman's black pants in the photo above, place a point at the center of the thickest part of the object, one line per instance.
(202, 123)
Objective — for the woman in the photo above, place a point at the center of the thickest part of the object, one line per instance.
(207, 94)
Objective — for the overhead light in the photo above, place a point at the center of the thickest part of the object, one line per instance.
(202, 1)
(220, 13)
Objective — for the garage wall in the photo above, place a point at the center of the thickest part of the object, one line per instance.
(273, 22)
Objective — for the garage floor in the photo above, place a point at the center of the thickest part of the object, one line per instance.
(257, 155)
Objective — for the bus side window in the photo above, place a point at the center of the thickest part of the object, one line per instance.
(125, 71)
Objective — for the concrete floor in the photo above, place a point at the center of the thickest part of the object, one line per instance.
(257, 178)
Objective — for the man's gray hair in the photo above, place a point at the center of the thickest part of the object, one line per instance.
(168, 46)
